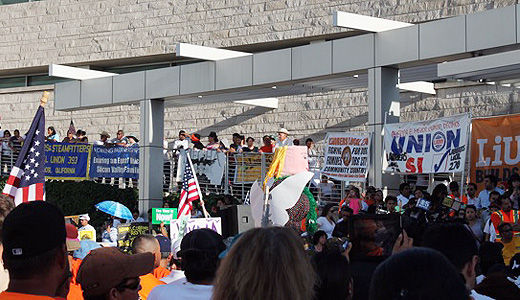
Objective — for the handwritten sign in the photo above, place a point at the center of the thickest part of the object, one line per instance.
(347, 156)
(87, 235)
(165, 215)
(126, 233)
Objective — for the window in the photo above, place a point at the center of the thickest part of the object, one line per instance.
(10, 82)
(5, 2)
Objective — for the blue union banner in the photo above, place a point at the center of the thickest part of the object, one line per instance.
(115, 162)
(66, 161)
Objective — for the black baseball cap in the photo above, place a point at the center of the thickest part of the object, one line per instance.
(202, 240)
(165, 243)
(32, 229)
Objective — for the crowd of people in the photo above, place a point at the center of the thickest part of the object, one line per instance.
(414, 245)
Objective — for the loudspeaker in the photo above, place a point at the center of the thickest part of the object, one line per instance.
(236, 219)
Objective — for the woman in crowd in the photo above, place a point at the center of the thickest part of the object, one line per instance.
(250, 145)
(326, 221)
(418, 273)
(265, 263)
(213, 141)
(6, 151)
(354, 201)
(513, 191)
(319, 241)
(474, 222)
(268, 146)
(81, 137)
(52, 136)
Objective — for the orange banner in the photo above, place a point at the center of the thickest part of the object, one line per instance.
(495, 148)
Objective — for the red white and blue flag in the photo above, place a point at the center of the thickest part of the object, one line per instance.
(27, 179)
(189, 190)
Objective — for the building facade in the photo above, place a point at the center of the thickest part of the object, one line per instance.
(122, 36)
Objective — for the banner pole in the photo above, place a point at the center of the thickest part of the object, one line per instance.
(468, 154)
(206, 215)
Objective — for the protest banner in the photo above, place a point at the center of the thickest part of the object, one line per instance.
(126, 233)
(180, 227)
(495, 148)
(249, 167)
(87, 235)
(64, 161)
(427, 147)
(165, 215)
(347, 156)
(116, 161)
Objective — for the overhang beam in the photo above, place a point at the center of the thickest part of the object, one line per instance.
(76, 73)
(207, 53)
(366, 23)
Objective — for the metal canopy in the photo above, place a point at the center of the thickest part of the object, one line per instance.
(327, 65)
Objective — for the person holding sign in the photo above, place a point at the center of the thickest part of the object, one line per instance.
(86, 231)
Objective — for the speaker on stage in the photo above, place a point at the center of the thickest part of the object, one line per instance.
(236, 219)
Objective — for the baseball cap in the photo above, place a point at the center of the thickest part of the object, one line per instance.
(84, 217)
(32, 229)
(105, 268)
(72, 240)
(205, 240)
(164, 242)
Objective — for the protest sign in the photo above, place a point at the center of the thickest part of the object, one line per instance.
(126, 233)
(347, 156)
(87, 235)
(495, 148)
(296, 160)
(209, 163)
(116, 161)
(249, 167)
(163, 215)
(427, 147)
(64, 161)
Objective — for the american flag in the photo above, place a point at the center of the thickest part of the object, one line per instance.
(27, 179)
(189, 191)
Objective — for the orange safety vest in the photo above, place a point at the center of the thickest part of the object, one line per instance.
(512, 218)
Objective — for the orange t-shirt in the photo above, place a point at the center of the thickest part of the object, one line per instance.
(160, 272)
(148, 282)
(75, 292)
(20, 296)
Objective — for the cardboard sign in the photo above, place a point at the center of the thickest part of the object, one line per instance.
(296, 160)
(347, 156)
(428, 147)
(165, 215)
(87, 235)
(495, 148)
(180, 227)
(126, 233)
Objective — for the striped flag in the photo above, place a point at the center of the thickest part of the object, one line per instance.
(189, 190)
(27, 179)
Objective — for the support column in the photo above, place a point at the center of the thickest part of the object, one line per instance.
(151, 155)
(383, 106)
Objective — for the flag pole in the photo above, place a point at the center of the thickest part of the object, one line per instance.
(206, 215)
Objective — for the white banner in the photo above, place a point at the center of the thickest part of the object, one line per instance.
(347, 156)
(180, 227)
(426, 147)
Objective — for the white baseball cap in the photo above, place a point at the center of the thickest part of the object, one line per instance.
(84, 217)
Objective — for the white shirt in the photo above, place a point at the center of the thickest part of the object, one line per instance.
(325, 225)
(472, 201)
(88, 227)
(178, 144)
(175, 276)
(4, 278)
(99, 143)
(483, 197)
(490, 229)
(184, 291)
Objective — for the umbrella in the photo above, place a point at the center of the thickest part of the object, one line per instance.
(115, 209)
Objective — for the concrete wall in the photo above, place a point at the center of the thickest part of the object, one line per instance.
(77, 31)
